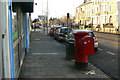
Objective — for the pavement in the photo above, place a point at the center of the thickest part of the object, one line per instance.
(46, 59)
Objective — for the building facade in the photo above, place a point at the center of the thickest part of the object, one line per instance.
(14, 32)
(101, 14)
(118, 5)
(54, 21)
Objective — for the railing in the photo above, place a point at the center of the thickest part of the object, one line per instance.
(19, 51)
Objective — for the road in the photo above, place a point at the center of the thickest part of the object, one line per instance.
(106, 57)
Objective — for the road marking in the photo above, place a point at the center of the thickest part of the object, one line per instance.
(73, 60)
(100, 49)
(110, 53)
(37, 39)
(43, 53)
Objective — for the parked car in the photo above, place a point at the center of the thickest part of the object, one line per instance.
(70, 38)
(53, 29)
(41, 27)
(62, 33)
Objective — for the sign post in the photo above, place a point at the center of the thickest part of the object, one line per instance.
(45, 19)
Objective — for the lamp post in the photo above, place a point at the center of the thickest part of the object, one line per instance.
(68, 22)
(47, 17)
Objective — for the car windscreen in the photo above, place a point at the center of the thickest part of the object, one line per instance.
(91, 34)
(56, 28)
(53, 28)
(65, 30)
(71, 35)
(62, 31)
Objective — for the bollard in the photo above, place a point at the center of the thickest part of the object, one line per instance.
(70, 51)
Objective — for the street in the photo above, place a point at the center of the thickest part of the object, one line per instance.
(46, 59)
(38, 39)
(106, 58)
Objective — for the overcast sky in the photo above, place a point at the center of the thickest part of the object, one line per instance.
(56, 8)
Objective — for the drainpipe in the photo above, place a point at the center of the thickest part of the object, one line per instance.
(3, 74)
(2, 37)
(11, 41)
(26, 39)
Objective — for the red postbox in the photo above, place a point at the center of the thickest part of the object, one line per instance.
(84, 46)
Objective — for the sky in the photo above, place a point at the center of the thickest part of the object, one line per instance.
(56, 8)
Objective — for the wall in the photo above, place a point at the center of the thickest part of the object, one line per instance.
(0, 41)
(4, 42)
(119, 15)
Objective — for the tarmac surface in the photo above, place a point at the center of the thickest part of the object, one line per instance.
(106, 57)
(46, 59)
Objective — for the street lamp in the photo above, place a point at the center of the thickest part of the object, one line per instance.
(47, 17)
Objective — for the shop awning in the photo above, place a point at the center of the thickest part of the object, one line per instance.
(25, 5)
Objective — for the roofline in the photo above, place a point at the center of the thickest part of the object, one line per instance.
(83, 4)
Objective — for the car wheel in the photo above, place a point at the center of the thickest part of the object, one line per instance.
(50, 34)
(59, 39)
(54, 37)
(96, 49)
